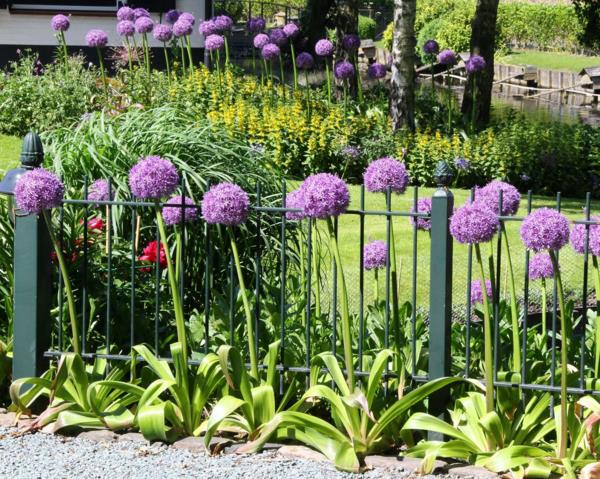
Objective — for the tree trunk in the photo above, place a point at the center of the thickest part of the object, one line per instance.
(346, 22)
(316, 20)
(483, 42)
(402, 96)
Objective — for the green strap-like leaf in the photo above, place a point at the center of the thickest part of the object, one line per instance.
(375, 373)
(332, 365)
(348, 415)
(263, 398)
(160, 367)
(512, 457)
(271, 363)
(427, 422)
(226, 406)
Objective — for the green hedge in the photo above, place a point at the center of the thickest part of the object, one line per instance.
(367, 27)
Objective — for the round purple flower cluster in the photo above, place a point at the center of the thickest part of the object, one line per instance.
(187, 17)
(324, 48)
(540, 267)
(214, 42)
(423, 206)
(126, 28)
(305, 61)
(291, 30)
(447, 58)
(473, 223)
(270, 51)
(261, 40)
(38, 190)
(431, 47)
(125, 13)
(153, 177)
(174, 215)
(98, 191)
(207, 28)
(60, 23)
(172, 16)
(386, 173)
(545, 229)
(578, 238)
(278, 37)
(182, 28)
(377, 71)
(489, 196)
(477, 291)
(140, 12)
(461, 163)
(324, 195)
(375, 255)
(351, 42)
(295, 200)
(163, 33)
(223, 23)
(344, 70)
(96, 38)
(475, 64)
(144, 25)
(256, 24)
(351, 151)
(225, 204)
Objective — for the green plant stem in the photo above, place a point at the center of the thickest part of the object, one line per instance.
(182, 51)
(146, 54)
(449, 92)
(514, 310)
(293, 53)
(359, 88)
(562, 440)
(597, 324)
(302, 261)
(345, 312)
(67, 283)
(394, 281)
(129, 54)
(487, 332)
(102, 72)
(376, 271)
(316, 266)
(63, 44)
(433, 76)
(188, 44)
(544, 308)
(307, 95)
(226, 51)
(328, 80)
(282, 73)
(492, 271)
(474, 105)
(167, 63)
(345, 88)
(247, 310)
(178, 252)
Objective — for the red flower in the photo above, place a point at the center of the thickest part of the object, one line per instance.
(95, 224)
(150, 256)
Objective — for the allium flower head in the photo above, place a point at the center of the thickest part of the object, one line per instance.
(377, 71)
(324, 48)
(207, 28)
(140, 12)
(447, 58)
(96, 38)
(545, 229)
(126, 28)
(172, 16)
(144, 25)
(153, 178)
(174, 215)
(351, 151)
(295, 200)
(475, 64)
(60, 23)
(187, 17)
(477, 291)
(125, 13)
(162, 33)
(540, 267)
(182, 28)
(579, 234)
(423, 206)
(291, 30)
(351, 42)
(261, 40)
(278, 37)
(214, 42)
(473, 223)
(431, 47)
(461, 163)
(270, 51)
(386, 173)
(223, 23)
(225, 204)
(375, 255)
(489, 196)
(98, 191)
(256, 25)
(305, 61)
(38, 190)
(343, 70)
(325, 195)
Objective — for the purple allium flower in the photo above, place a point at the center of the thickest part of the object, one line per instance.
(540, 267)
(270, 51)
(188, 17)
(172, 16)
(140, 12)
(162, 33)
(351, 42)
(96, 38)
(256, 24)
(377, 71)
(214, 42)
(447, 57)
(98, 191)
(461, 163)
(125, 13)
(375, 255)
(208, 27)
(423, 206)
(225, 204)
(305, 61)
(278, 37)
(475, 64)
(295, 200)
(386, 173)
(144, 25)
(153, 177)
(182, 28)
(351, 151)
(579, 234)
(545, 229)
(223, 23)
(489, 197)
(477, 291)
(60, 23)
(343, 70)
(431, 47)
(261, 40)
(325, 195)
(174, 215)
(126, 28)
(324, 48)
(473, 223)
(38, 190)
(291, 30)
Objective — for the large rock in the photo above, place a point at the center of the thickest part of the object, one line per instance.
(383, 462)
(301, 452)
(132, 437)
(412, 464)
(8, 419)
(192, 444)
(471, 471)
(100, 435)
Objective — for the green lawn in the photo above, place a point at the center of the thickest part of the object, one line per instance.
(10, 148)
(551, 60)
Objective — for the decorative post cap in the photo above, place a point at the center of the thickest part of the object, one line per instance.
(32, 153)
(443, 175)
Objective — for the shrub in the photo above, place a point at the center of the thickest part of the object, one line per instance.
(367, 27)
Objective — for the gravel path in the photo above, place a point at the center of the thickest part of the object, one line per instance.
(42, 455)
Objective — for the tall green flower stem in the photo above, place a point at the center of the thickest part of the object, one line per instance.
(328, 74)
(302, 254)
(562, 440)
(433, 72)
(544, 307)
(376, 273)
(67, 283)
(146, 54)
(359, 88)
(345, 311)
(293, 53)
(63, 44)
(597, 324)
(167, 62)
(345, 88)
(449, 93)
(102, 71)
(487, 333)
(514, 310)
(308, 112)
(226, 51)
(178, 252)
(282, 73)
(474, 104)
(182, 53)
(247, 309)
(316, 267)
(395, 305)
(188, 44)
(129, 54)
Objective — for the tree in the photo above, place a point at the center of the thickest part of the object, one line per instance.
(588, 12)
(316, 20)
(402, 95)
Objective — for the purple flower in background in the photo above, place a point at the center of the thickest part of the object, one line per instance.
(375, 255)
(545, 229)
(163, 33)
(578, 236)
(540, 267)
(261, 40)
(431, 47)
(125, 13)
(423, 206)
(126, 28)
(351, 151)
(214, 42)
(225, 204)
(473, 223)
(38, 190)
(324, 48)
(278, 37)
(223, 23)
(60, 23)
(207, 27)
(525, 178)
(140, 13)
(295, 200)
(351, 42)
(447, 57)
(256, 25)
(377, 71)
(182, 28)
(461, 163)
(153, 178)
(324, 195)
(291, 30)
(475, 64)
(144, 25)
(305, 61)
(344, 70)
(172, 16)
(38, 68)
(270, 51)
(477, 291)
(188, 17)
(98, 191)
(96, 38)
(489, 196)
(174, 215)
(386, 173)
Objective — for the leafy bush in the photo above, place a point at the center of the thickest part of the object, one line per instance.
(367, 27)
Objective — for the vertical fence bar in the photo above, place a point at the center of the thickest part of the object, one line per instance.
(134, 222)
(84, 272)
(157, 276)
(207, 271)
(361, 280)
(258, 266)
(413, 319)
(469, 311)
(496, 291)
(584, 301)
(309, 253)
(181, 258)
(109, 279)
(334, 294)
(61, 300)
(525, 304)
(554, 324)
(232, 303)
(282, 297)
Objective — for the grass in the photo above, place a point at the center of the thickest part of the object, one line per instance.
(10, 148)
(551, 60)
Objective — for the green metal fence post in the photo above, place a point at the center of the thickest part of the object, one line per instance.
(440, 302)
